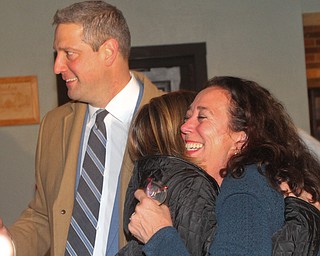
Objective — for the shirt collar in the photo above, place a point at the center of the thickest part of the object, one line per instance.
(123, 104)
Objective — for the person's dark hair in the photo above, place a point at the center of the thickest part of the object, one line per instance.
(272, 138)
(100, 21)
(156, 128)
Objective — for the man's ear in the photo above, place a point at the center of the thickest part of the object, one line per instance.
(110, 50)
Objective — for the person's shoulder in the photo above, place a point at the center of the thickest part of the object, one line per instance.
(251, 180)
(65, 110)
(176, 172)
(150, 89)
(170, 166)
(252, 183)
(250, 173)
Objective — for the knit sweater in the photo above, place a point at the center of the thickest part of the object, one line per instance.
(249, 211)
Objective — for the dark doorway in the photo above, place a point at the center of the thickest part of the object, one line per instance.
(184, 64)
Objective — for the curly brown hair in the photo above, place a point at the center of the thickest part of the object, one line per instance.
(272, 138)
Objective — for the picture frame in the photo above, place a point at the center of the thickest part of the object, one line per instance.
(184, 66)
(19, 101)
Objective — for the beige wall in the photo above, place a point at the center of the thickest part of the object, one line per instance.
(259, 40)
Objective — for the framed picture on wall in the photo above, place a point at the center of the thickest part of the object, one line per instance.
(19, 103)
(183, 66)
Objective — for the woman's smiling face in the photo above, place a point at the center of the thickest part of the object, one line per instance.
(206, 132)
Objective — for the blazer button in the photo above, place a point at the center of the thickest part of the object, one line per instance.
(63, 212)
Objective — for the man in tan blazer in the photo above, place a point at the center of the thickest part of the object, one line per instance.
(92, 42)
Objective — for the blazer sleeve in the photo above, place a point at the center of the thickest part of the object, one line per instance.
(31, 232)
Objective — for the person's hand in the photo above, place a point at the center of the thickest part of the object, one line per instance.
(304, 195)
(6, 243)
(148, 218)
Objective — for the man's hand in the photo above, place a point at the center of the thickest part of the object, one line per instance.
(6, 243)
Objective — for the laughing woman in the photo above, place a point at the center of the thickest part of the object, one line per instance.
(243, 137)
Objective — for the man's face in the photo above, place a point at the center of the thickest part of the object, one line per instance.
(81, 67)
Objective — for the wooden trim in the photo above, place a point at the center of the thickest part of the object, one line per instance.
(314, 111)
(311, 19)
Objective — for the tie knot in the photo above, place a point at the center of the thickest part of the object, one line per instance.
(101, 114)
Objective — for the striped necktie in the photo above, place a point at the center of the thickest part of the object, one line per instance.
(82, 230)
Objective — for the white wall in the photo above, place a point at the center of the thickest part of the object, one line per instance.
(256, 39)
(310, 6)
